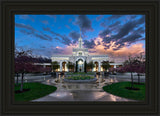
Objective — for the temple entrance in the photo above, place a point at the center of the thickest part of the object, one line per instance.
(96, 66)
(80, 65)
(64, 66)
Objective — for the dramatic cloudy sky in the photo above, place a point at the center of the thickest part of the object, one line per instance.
(115, 35)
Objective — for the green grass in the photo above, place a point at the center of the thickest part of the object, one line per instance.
(37, 90)
(119, 89)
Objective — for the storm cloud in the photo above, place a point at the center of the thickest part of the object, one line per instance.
(29, 30)
(114, 25)
(84, 23)
(129, 33)
(114, 17)
(64, 39)
(74, 35)
(89, 43)
(128, 27)
(104, 33)
(21, 25)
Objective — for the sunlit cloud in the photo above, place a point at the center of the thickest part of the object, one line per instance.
(123, 52)
(108, 35)
(100, 49)
(67, 50)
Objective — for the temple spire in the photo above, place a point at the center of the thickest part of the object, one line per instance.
(80, 32)
(80, 44)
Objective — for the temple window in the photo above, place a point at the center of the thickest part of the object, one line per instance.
(80, 53)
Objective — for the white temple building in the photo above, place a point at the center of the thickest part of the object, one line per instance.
(79, 58)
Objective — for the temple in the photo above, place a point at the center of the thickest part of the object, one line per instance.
(79, 58)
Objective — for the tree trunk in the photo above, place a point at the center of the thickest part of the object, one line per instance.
(22, 82)
(138, 78)
(76, 66)
(131, 80)
(85, 67)
(17, 80)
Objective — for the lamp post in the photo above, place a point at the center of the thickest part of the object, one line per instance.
(99, 79)
(60, 84)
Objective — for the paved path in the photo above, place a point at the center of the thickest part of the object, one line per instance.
(61, 95)
(80, 92)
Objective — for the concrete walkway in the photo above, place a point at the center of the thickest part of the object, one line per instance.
(61, 95)
(81, 91)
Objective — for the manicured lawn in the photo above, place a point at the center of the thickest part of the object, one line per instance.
(119, 89)
(36, 90)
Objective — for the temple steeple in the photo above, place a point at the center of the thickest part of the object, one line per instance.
(80, 42)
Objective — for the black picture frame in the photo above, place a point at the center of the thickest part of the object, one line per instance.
(151, 10)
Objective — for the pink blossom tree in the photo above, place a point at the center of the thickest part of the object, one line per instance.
(140, 66)
(121, 69)
(130, 65)
(140, 69)
(112, 70)
(47, 69)
(17, 71)
(23, 64)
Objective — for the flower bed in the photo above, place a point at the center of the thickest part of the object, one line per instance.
(80, 79)
(80, 73)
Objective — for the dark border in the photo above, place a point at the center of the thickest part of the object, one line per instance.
(149, 8)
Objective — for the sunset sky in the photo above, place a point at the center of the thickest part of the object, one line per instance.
(114, 35)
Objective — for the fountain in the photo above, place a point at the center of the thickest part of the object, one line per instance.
(92, 82)
(80, 78)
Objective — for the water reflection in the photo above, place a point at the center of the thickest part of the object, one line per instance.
(81, 91)
(111, 80)
(62, 95)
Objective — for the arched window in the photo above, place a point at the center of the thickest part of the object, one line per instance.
(80, 53)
